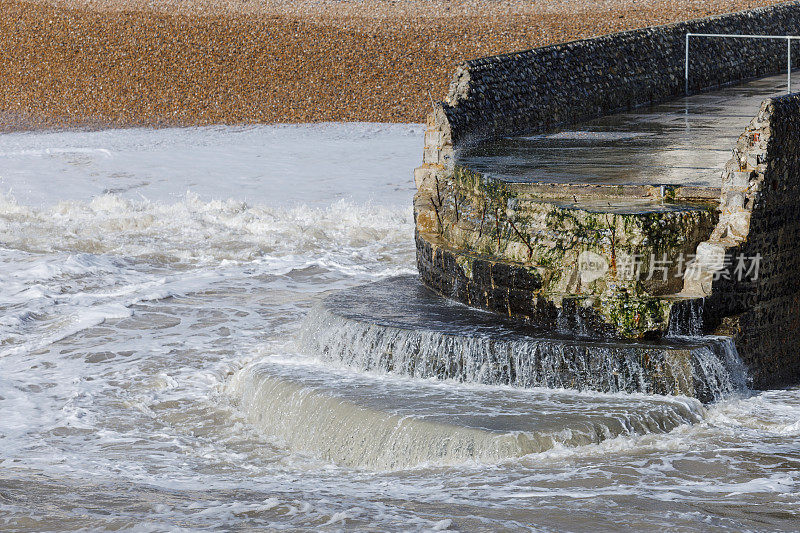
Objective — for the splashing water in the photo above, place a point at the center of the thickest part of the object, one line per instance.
(150, 381)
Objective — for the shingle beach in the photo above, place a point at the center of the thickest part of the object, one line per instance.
(127, 63)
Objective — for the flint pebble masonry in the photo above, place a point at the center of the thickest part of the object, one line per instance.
(681, 237)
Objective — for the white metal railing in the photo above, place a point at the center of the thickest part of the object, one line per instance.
(787, 38)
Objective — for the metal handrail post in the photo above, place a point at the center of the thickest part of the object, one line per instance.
(788, 65)
(686, 65)
(789, 39)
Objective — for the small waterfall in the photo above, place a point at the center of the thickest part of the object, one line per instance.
(357, 421)
(348, 434)
(718, 370)
(414, 339)
(686, 318)
(696, 370)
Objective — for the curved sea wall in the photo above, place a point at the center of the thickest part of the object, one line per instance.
(520, 248)
(536, 90)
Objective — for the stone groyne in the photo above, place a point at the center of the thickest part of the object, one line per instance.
(539, 89)
(522, 248)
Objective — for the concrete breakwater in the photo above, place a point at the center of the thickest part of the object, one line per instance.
(581, 256)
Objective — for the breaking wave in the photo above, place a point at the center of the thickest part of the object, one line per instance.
(342, 235)
(76, 264)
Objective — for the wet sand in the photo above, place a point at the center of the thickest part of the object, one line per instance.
(129, 63)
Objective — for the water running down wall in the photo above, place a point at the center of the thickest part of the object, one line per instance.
(399, 326)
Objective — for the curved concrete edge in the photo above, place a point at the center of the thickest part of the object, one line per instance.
(514, 290)
(477, 226)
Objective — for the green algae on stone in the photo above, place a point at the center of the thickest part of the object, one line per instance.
(633, 316)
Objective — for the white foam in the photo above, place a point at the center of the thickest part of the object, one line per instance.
(123, 318)
(192, 230)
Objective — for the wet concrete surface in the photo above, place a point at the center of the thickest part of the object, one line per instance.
(686, 141)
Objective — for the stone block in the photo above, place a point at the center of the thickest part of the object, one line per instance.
(738, 224)
(422, 176)
(430, 156)
(710, 256)
(733, 199)
(433, 138)
(738, 180)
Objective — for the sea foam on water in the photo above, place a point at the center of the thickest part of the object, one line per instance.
(149, 372)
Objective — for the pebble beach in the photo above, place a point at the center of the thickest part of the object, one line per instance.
(114, 63)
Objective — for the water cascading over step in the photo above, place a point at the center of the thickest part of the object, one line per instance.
(400, 326)
(388, 423)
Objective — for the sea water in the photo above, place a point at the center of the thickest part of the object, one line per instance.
(153, 289)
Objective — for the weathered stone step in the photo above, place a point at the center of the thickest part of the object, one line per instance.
(398, 325)
(530, 292)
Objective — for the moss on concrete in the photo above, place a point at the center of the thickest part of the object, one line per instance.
(480, 218)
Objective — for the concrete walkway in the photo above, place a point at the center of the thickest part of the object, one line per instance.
(685, 141)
